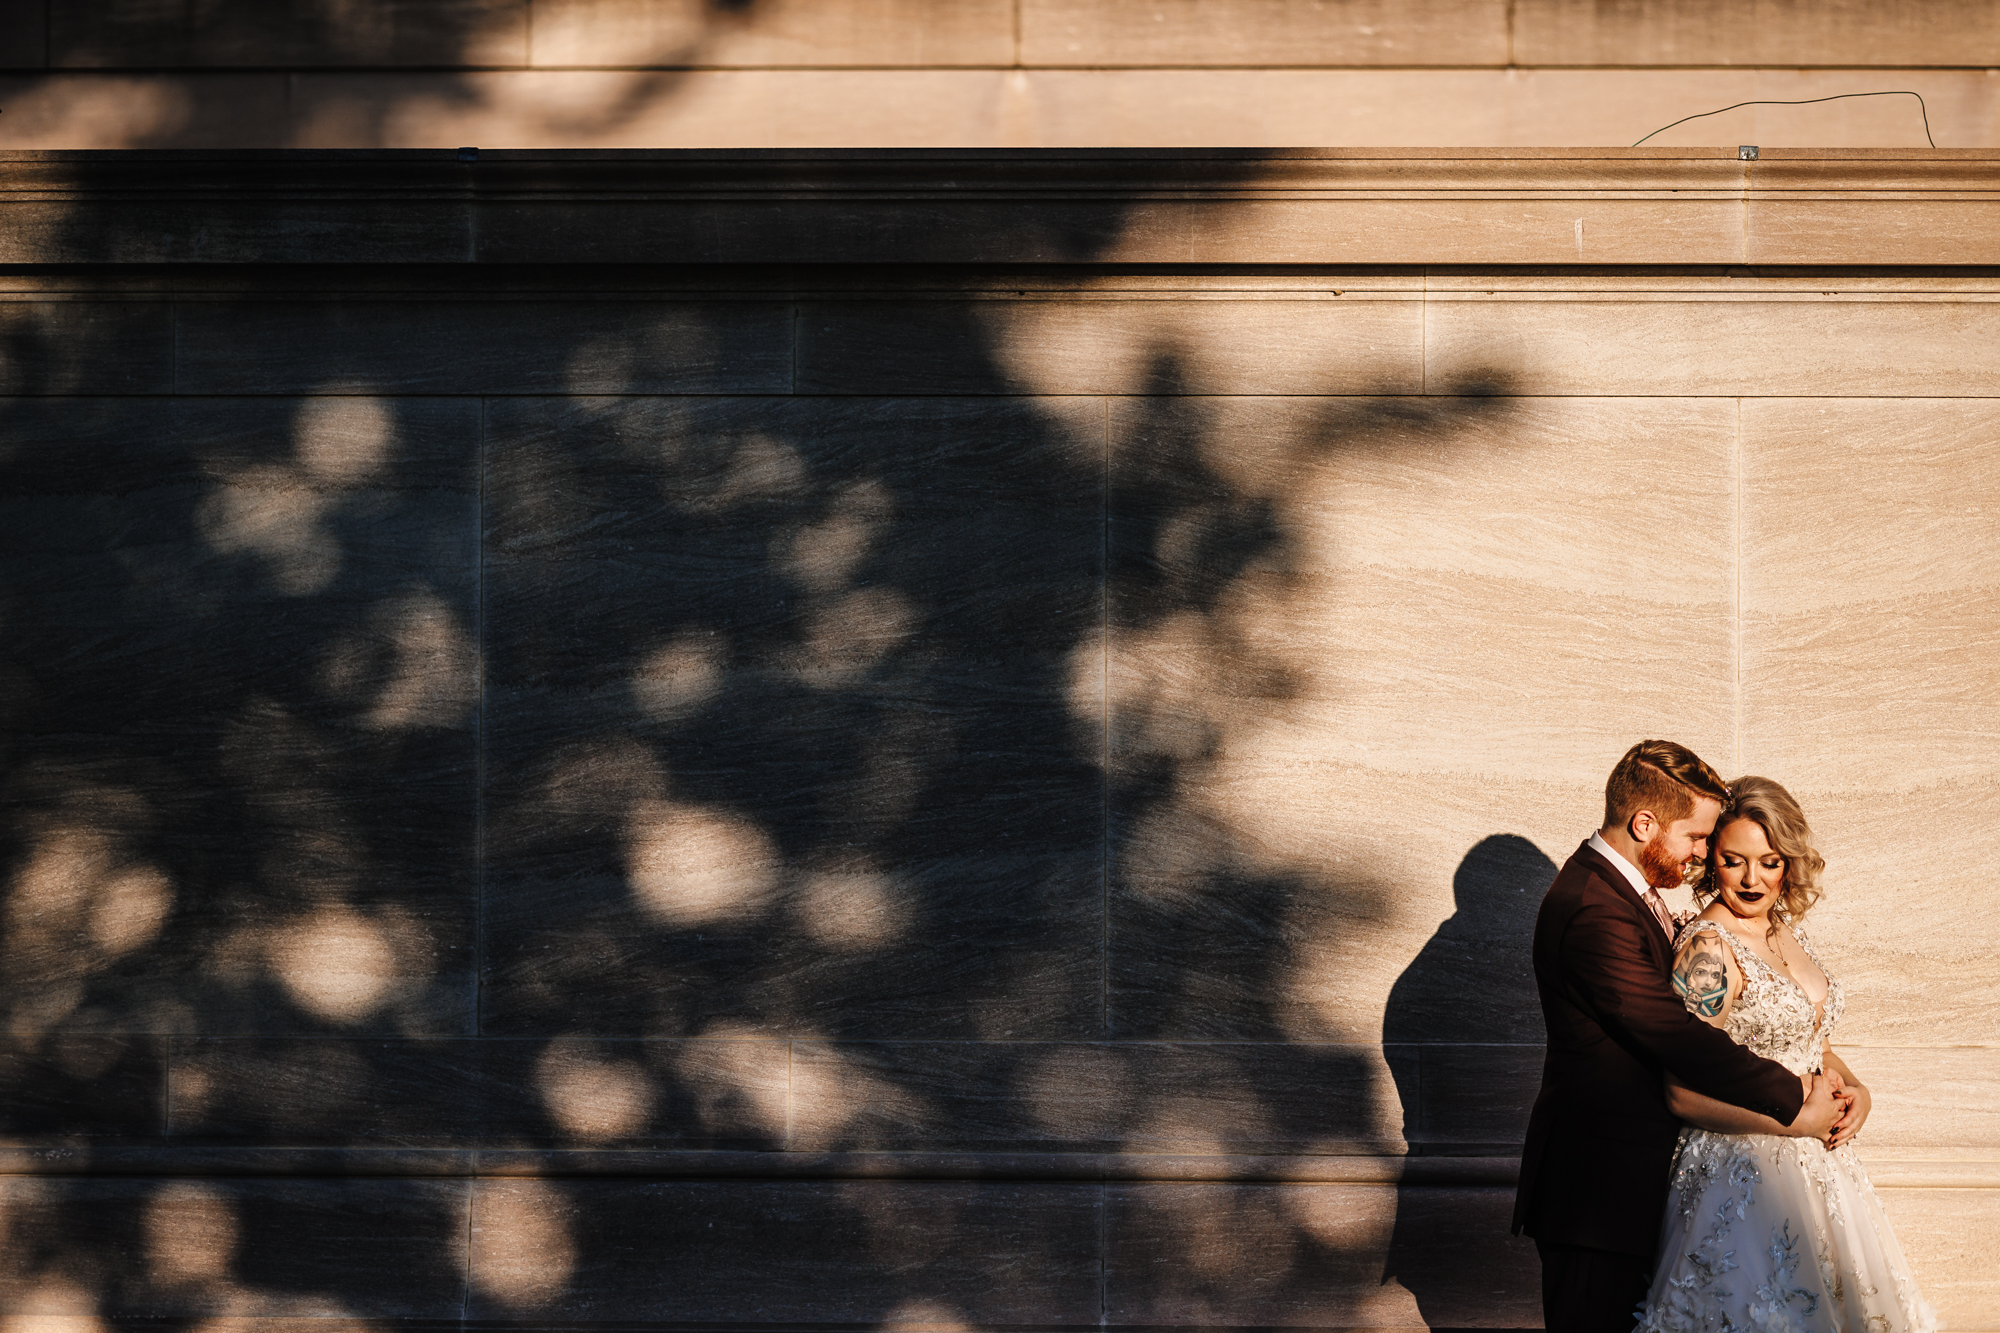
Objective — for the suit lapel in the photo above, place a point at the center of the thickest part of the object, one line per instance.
(1621, 889)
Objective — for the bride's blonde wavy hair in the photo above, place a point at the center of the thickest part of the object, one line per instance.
(1772, 808)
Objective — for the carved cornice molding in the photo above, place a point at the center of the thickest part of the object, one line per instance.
(1084, 206)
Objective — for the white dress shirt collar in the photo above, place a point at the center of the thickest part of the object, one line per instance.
(1630, 871)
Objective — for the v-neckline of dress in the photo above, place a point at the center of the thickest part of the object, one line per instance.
(1819, 1009)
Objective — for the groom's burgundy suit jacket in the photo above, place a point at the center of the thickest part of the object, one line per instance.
(1601, 1140)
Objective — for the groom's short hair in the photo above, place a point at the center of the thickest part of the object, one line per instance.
(1662, 777)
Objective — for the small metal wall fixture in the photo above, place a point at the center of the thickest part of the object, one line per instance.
(1746, 152)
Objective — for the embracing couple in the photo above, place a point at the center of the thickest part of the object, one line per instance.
(1690, 1162)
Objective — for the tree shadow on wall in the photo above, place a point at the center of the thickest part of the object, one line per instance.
(566, 742)
(405, 66)
(1465, 1019)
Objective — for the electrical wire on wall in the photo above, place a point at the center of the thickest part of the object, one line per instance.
(1898, 92)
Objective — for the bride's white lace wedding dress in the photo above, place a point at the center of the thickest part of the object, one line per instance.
(1770, 1233)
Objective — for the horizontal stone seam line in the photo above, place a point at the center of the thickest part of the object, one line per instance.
(613, 1164)
(1857, 395)
(558, 1324)
(23, 270)
(981, 67)
(452, 300)
(1440, 1173)
(1179, 154)
(426, 1040)
(473, 193)
(439, 299)
(1987, 1183)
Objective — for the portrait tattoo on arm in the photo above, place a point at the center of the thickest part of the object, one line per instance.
(1701, 978)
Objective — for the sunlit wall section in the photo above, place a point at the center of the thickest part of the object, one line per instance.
(991, 73)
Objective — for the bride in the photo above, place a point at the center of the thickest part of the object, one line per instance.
(1765, 1230)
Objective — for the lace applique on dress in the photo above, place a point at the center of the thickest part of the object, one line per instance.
(1747, 1211)
(1774, 1016)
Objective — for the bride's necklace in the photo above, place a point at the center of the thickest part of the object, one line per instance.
(1777, 953)
(1783, 968)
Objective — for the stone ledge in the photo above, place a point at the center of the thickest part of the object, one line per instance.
(1094, 206)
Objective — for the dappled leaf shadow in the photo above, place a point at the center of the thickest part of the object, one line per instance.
(199, 75)
(689, 849)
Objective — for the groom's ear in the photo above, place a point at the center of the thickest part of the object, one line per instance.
(1642, 825)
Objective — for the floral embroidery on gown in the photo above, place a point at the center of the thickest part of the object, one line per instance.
(1767, 1233)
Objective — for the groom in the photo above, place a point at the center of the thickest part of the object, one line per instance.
(1601, 1140)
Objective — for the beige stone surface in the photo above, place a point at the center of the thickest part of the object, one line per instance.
(1868, 536)
(1456, 578)
(1928, 1100)
(1759, 32)
(1521, 107)
(650, 109)
(1683, 36)
(1829, 345)
(1387, 226)
(1709, 284)
(936, 105)
(1868, 635)
(1870, 503)
(1455, 629)
(1950, 1237)
(1938, 229)
(1309, 344)
(785, 32)
(286, 32)
(1418, 671)
(1265, 32)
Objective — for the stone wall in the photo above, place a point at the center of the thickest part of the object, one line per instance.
(988, 73)
(940, 740)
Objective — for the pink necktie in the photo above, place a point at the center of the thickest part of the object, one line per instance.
(1660, 912)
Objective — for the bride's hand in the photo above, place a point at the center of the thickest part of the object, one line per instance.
(1842, 1094)
(1850, 1122)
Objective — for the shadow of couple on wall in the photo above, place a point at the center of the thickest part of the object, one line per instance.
(1463, 1035)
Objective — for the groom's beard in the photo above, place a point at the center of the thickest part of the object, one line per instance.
(1661, 869)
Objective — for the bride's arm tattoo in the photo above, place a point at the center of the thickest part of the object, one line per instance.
(1701, 977)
